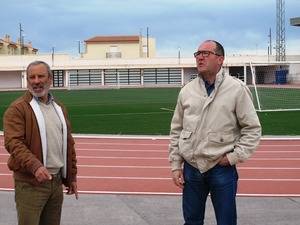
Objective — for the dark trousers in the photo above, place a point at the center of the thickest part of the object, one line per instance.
(221, 183)
(39, 205)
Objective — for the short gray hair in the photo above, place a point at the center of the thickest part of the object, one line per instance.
(37, 62)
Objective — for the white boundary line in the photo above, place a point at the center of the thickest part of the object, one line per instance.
(121, 150)
(121, 157)
(167, 193)
(154, 137)
(168, 167)
(166, 137)
(120, 143)
(169, 178)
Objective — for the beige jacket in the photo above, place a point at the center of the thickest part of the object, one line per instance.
(204, 128)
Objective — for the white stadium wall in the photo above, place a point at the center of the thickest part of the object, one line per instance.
(10, 79)
(73, 72)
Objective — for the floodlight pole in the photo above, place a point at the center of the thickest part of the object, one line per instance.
(21, 39)
(52, 56)
(280, 30)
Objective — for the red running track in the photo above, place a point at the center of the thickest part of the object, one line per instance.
(140, 166)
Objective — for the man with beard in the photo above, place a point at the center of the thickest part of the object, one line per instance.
(38, 137)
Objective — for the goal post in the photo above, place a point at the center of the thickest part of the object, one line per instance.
(275, 87)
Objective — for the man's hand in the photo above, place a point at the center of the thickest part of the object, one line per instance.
(72, 190)
(42, 174)
(224, 161)
(178, 178)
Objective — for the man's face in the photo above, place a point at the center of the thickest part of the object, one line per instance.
(207, 60)
(39, 81)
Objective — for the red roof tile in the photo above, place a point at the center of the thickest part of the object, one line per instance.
(114, 39)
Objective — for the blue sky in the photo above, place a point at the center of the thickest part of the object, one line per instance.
(242, 26)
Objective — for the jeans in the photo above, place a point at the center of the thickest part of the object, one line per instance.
(221, 183)
(39, 205)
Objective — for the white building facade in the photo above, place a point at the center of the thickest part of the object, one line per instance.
(74, 73)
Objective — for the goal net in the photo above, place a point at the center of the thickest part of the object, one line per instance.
(275, 87)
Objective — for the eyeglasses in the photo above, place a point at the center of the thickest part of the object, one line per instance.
(205, 53)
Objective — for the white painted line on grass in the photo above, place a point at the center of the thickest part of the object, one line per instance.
(167, 109)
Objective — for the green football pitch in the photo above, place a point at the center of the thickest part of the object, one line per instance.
(138, 111)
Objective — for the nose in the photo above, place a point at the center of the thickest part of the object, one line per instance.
(35, 80)
(200, 58)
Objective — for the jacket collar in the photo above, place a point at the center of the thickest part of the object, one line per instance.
(28, 96)
(219, 78)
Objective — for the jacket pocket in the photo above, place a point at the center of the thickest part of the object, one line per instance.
(185, 142)
(185, 134)
(221, 138)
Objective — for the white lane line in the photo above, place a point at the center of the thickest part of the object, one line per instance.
(119, 144)
(166, 158)
(167, 144)
(263, 152)
(118, 150)
(130, 167)
(167, 178)
(121, 157)
(167, 193)
(129, 193)
(278, 145)
(268, 168)
(267, 195)
(268, 179)
(274, 159)
(165, 151)
(168, 167)
(124, 178)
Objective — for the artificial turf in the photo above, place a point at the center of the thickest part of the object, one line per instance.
(138, 111)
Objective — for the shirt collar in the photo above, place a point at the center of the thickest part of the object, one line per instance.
(49, 101)
(208, 85)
